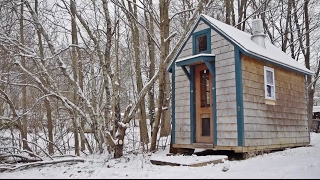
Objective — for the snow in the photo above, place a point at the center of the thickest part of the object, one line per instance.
(194, 56)
(316, 108)
(297, 163)
(243, 40)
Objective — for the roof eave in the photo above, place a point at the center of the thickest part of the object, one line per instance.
(309, 73)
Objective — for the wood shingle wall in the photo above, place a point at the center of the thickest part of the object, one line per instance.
(281, 124)
(225, 91)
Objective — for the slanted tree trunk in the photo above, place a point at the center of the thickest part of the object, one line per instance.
(151, 49)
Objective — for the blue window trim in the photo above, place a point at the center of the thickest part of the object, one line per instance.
(195, 35)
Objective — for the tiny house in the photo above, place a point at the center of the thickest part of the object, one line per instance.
(235, 91)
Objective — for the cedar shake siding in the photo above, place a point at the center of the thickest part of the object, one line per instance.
(281, 124)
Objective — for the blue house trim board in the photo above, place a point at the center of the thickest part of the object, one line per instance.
(192, 107)
(239, 96)
(173, 101)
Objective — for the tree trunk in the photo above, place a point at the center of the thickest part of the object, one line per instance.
(164, 51)
(116, 115)
(241, 12)
(166, 113)
(144, 137)
(24, 127)
(75, 76)
(228, 11)
(287, 27)
(46, 100)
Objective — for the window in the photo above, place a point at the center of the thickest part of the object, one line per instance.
(202, 41)
(204, 88)
(205, 126)
(269, 83)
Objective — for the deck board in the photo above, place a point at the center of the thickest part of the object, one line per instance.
(193, 161)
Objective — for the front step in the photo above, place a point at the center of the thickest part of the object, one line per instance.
(193, 161)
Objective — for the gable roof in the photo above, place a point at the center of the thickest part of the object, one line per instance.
(243, 40)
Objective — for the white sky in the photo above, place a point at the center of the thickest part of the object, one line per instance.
(295, 163)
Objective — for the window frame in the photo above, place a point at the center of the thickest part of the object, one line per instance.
(196, 35)
(273, 93)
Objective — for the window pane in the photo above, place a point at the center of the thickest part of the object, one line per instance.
(268, 91)
(204, 88)
(269, 77)
(202, 43)
(272, 91)
(205, 126)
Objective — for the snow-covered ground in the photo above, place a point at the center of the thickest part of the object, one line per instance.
(295, 163)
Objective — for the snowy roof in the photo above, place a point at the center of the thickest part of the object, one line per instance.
(194, 56)
(243, 40)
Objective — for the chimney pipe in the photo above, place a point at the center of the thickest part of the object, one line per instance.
(258, 33)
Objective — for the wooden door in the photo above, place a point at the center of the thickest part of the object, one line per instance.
(204, 109)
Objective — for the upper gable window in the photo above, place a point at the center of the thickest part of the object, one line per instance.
(269, 83)
(202, 41)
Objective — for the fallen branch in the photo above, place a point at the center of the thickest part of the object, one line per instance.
(11, 167)
(14, 156)
(20, 151)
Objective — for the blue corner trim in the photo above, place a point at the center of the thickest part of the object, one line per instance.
(195, 35)
(173, 113)
(186, 72)
(192, 106)
(239, 96)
